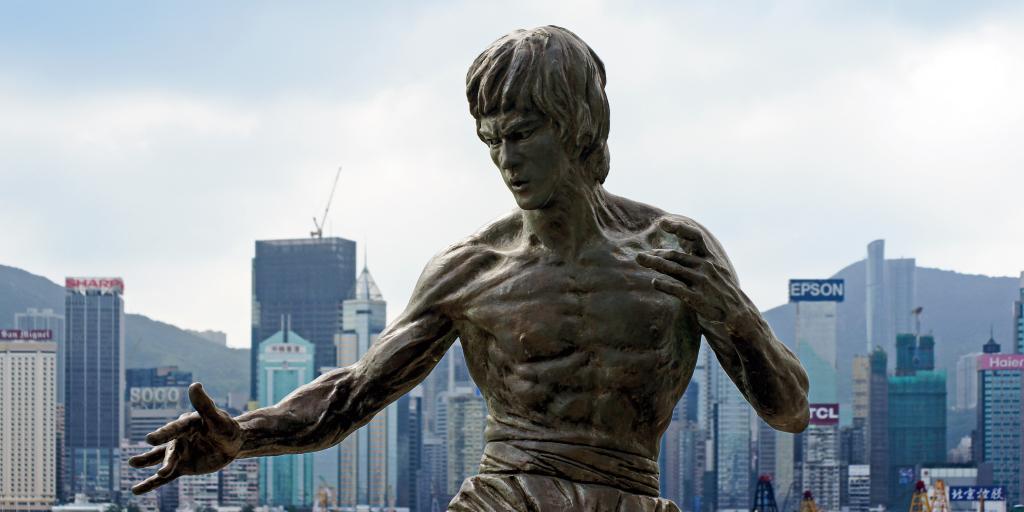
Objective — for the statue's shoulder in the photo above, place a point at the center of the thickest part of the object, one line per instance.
(461, 260)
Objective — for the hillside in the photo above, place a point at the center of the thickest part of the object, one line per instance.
(148, 342)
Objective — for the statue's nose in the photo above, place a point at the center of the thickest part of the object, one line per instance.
(509, 157)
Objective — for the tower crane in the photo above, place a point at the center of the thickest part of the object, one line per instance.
(319, 231)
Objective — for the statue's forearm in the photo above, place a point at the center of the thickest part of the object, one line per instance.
(313, 417)
(767, 373)
(321, 413)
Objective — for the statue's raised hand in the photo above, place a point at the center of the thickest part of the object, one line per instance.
(196, 443)
(694, 275)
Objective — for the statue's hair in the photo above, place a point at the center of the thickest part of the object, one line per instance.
(549, 70)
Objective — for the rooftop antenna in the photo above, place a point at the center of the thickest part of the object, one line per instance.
(319, 231)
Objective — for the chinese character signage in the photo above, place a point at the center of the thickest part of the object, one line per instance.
(977, 493)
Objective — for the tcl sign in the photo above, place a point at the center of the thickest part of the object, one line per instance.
(824, 414)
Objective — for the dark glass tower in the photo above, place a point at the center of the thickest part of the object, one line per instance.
(305, 280)
(95, 383)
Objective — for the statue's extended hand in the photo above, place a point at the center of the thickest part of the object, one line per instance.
(196, 443)
(694, 276)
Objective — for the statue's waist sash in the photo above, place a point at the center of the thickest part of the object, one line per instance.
(578, 463)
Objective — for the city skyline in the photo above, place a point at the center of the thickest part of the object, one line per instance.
(889, 116)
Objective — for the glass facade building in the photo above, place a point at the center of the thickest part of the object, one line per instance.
(917, 429)
(285, 363)
(306, 280)
(94, 385)
(999, 419)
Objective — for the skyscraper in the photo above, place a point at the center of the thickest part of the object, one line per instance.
(154, 397)
(94, 384)
(917, 428)
(466, 413)
(998, 436)
(875, 311)
(878, 427)
(368, 471)
(28, 391)
(307, 280)
(820, 456)
(410, 442)
(46, 319)
(730, 416)
(1018, 319)
(285, 363)
(891, 296)
(966, 382)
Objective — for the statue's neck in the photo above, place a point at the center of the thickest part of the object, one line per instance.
(569, 221)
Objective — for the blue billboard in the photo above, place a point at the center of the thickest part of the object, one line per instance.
(816, 290)
(977, 493)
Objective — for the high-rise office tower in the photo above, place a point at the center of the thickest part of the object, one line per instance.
(917, 428)
(820, 462)
(1018, 319)
(433, 482)
(998, 435)
(966, 382)
(368, 470)
(198, 492)
(875, 311)
(28, 392)
(285, 363)
(154, 397)
(151, 501)
(46, 319)
(466, 413)
(410, 442)
(307, 280)
(878, 427)
(891, 296)
(94, 384)
(731, 416)
(239, 483)
(816, 451)
(858, 486)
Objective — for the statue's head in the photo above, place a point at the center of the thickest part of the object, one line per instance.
(539, 103)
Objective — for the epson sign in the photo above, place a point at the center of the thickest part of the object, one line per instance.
(820, 290)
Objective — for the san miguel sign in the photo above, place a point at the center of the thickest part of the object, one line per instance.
(22, 334)
(103, 285)
(824, 414)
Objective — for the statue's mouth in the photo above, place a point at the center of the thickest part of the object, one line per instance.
(518, 184)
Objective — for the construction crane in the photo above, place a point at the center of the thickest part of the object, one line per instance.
(807, 504)
(319, 231)
(919, 501)
(764, 496)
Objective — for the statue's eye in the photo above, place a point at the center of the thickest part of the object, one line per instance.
(521, 135)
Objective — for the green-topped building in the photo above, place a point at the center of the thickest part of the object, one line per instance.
(285, 362)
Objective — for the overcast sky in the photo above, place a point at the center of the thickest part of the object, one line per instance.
(157, 141)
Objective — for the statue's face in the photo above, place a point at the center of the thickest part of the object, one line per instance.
(528, 153)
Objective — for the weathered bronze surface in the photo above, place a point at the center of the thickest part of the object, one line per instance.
(580, 313)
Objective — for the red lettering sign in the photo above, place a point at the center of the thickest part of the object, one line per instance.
(102, 284)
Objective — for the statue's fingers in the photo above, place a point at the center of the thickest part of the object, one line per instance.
(152, 482)
(170, 461)
(676, 289)
(679, 257)
(172, 430)
(687, 233)
(148, 459)
(670, 268)
(207, 409)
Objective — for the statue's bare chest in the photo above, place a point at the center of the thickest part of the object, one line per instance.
(537, 309)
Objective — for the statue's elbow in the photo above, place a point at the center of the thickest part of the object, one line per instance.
(794, 423)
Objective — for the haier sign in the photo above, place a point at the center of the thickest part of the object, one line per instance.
(819, 290)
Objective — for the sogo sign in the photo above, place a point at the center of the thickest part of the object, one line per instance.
(155, 396)
(824, 414)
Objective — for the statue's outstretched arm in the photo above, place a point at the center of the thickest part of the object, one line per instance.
(763, 369)
(321, 413)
